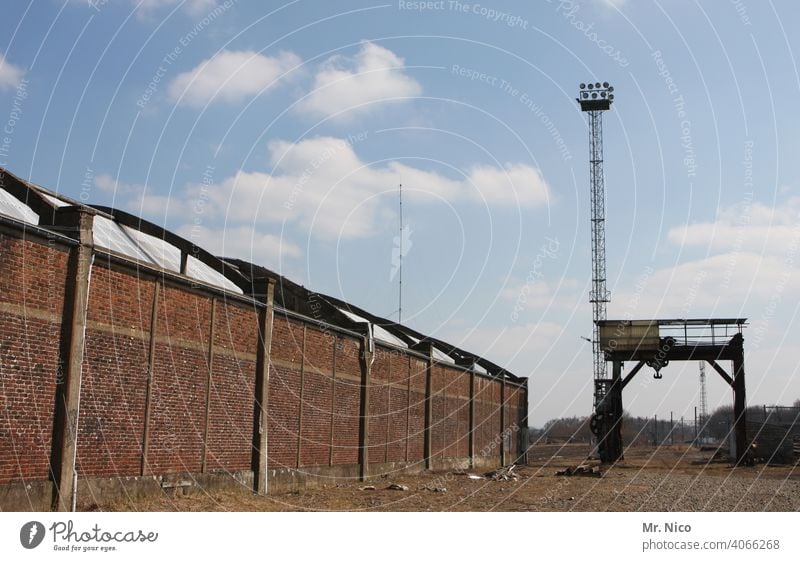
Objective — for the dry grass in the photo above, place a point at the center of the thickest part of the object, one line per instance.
(672, 478)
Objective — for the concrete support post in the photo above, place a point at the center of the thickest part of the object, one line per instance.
(209, 383)
(366, 356)
(299, 459)
(427, 349)
(78, 223)
(523, 423)
(151, 362)
(333, 401)
(265, 321)
(469, 364)
(503, 458)
(472, 451)
(739, 401)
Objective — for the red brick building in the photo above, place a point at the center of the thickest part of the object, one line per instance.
(133, 361)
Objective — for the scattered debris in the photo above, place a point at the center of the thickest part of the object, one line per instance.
(502, 474)
(397, 487)
(367, 488)
(434, 489)
(474, 476)
(583, 469)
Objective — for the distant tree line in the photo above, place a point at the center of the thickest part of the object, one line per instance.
(763, 421)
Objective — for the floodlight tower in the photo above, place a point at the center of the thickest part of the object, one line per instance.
(594, 98)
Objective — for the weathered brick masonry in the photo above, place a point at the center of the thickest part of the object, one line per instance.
(168, 387)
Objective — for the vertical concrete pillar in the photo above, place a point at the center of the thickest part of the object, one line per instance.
(151, 360)
(472, 420)
(301, 397)
(469, 364)
(524, 443)
(266, 288)
(739, 399)
(388, 412)
(333, 400)
(76, 222)
(427, 349)
(503, 458)
(209, 381)
(408, 407)
(365, 357)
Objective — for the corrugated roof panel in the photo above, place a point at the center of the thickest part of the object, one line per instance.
(54, 201)
(110, 235)
(11, 206)
(442, 357)
(352, 316)
(163, 253)
(202, 272)
(382, 334)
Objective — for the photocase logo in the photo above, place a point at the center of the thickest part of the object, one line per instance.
(402, 245)
(31, 534)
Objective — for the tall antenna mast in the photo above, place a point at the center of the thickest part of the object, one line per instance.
(400, 307)
(594, 98)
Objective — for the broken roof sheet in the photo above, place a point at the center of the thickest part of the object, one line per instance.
(10, 206)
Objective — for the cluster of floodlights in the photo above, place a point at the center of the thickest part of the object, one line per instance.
(597, 90)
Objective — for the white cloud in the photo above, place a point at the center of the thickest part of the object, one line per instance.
(10, 75)
(242, 242)
(752, 254)
(730, 284)
(320, 184)
(231, 76)
(138, 199)
(357, 83)
(746, 226)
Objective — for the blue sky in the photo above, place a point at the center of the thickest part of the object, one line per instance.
(279, 133)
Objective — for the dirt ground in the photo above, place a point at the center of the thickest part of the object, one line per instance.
(675, 478)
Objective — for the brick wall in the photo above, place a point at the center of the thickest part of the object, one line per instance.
(202, 386)
(114, 377)
(32, 286)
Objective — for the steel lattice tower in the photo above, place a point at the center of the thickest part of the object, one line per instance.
(703, 396)
(594, 99)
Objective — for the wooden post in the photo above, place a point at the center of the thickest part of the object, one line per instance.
(78, 221)
(209, 374)
(265, 321)
(151, 361)
(366, 355)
